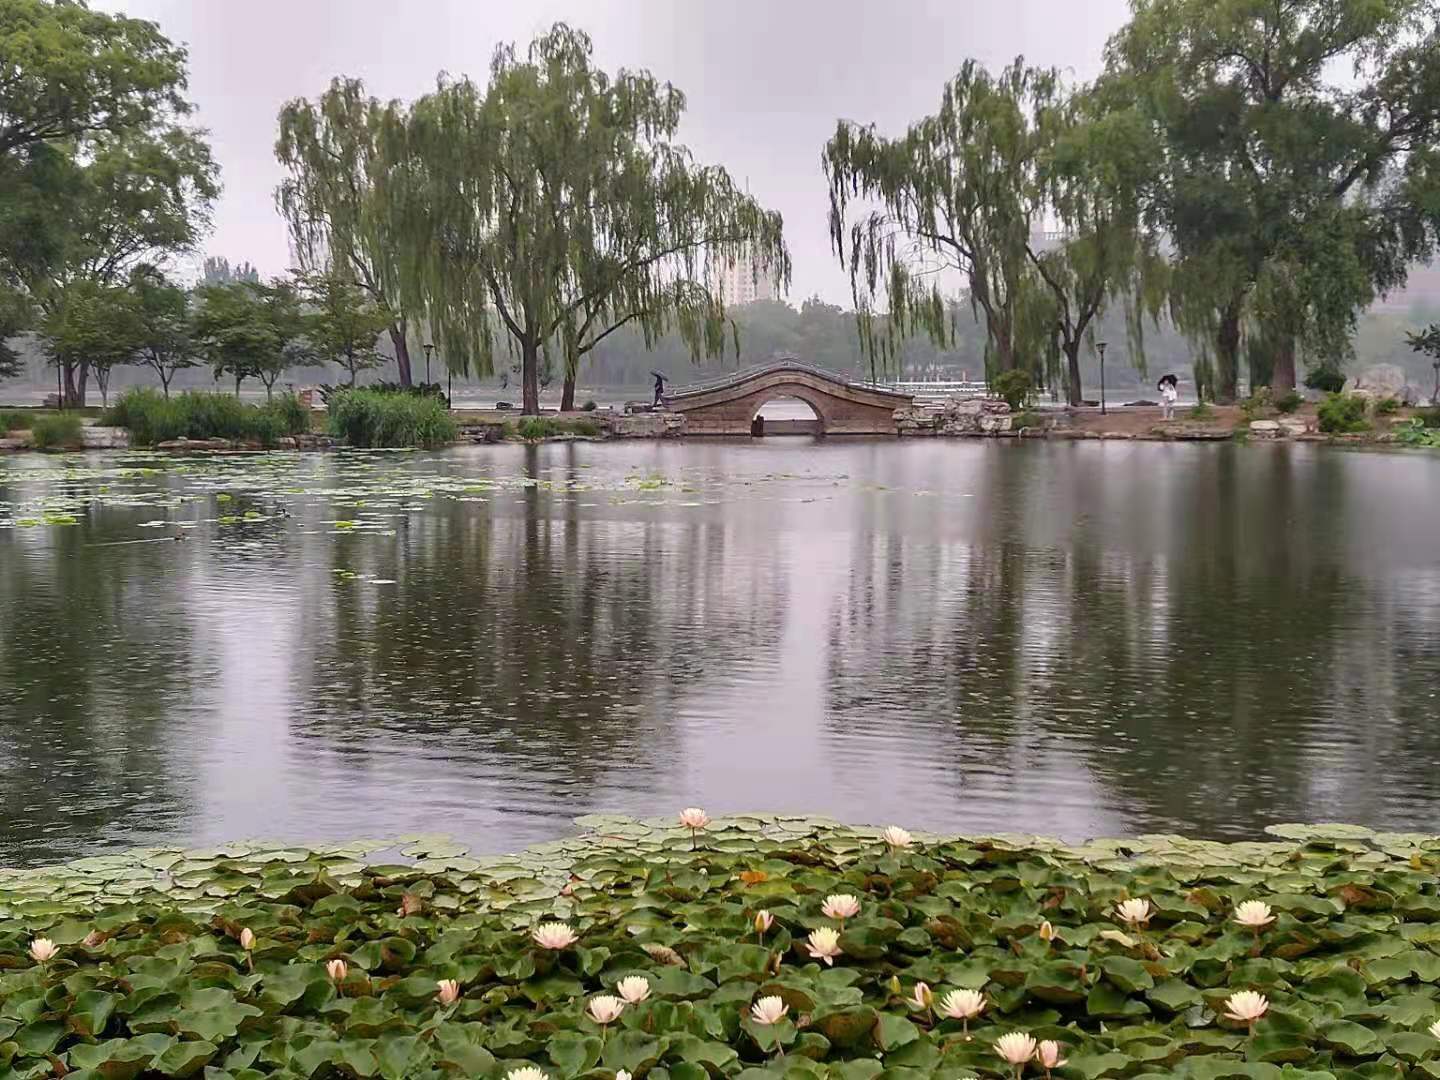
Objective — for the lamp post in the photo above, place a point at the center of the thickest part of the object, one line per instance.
(1101, 346)
(429, 348)
(1435, 397)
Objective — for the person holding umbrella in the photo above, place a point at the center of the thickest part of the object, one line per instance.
(659, 387)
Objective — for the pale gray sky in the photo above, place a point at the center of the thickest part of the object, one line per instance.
(765, 79)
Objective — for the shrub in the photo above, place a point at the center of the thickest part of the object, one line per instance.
(434, 390)
(1289, 403)
(1387, 406)
(152, 418)
(589, 406)
(1256, 404)
(1201, 411)
(1013, 387)
(545, 427)
(15, 420)
(1327, 380)
(57, 431)
(1342, 414)
(1026, 419)
(383, 418)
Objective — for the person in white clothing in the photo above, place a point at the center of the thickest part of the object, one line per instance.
(1169, 387)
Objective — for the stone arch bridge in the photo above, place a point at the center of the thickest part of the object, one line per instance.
(728, 406)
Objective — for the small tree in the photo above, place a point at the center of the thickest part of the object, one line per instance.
(344, 324)
(93, 323)
(165, 339)
(251, 331)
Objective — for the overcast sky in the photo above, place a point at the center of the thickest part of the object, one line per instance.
(765, 79)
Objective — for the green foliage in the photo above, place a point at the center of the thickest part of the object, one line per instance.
(1342, 414)
(1387, 406)
(1297, 178)
(16, 420)
(552, 207)
(343, 323)
(152, 418)
(1026, 420)
(1327, 380)
(1014, 387)
(1426, 341)
(589, 406)
(1257, 404)
(1288, 403)
(1429, 418)
(163, 333)
(1201, 410)
(90, 323)
(534, 428)
(151, 977)
(367, 417)
(252, 331)
(57, 431)
(1416, 432)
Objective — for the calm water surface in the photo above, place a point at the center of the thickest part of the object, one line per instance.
(1072, 639)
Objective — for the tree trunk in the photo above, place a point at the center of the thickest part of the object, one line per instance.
(1227, 355)
(402, 352)
(530, 379)
(237, 384)
(68, 396)
(84, 383)
(1074, 390)
(1282, 381)
(102, 380)
(567, 393)
(165, 380)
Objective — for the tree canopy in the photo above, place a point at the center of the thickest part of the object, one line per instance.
(1299, 165)
(343, 323)
(70, 72)
(250, 330)
(552, 208)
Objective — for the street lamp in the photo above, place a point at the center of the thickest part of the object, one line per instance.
(1101, 346)
(429, 348)
(1435, 397)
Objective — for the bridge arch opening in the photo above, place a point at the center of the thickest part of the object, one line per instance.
(788, 411)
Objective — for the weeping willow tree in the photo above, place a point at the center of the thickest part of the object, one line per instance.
(330, 200)
(951, 195)
(552, 207)
(1022, 187)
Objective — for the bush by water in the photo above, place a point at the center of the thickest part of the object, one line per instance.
(152, 418)
(369, 417)
(57, 431)
(1343, 414)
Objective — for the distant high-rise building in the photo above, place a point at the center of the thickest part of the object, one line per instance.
(745, 279)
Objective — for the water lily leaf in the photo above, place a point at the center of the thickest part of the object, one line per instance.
(186, 1058)
(573, 1052)
(461, 1046)
(1351, 1039)
(1129, 975)
(846, 1027)
(91, 1012)
(893, 1032)
(634, 1051)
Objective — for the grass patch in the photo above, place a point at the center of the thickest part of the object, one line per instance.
(255, 961)
(57, 431)
(532, 428)
(377, 418)
(152, 418)
(16, 419)
(1288, 403)
(1201, 410)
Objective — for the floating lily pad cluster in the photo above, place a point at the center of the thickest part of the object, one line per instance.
(754, 946)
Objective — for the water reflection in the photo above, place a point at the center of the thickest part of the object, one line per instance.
(1072, 639)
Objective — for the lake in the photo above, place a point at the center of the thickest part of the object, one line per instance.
(1061, 638)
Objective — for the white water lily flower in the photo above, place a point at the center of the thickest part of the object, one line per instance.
(840, 906)
(922, 997)
(1047, 932)
(633, 988)
(337, 970)
(897, 837)
(1254, 914)
(962, 1004)
(768, 1010)
(1247, 1006)
(1434, 1029)
(692, 817)
(824, 944)
(623, 1074)
(1017, 1048)
(554, 935)
(449, 991)
(606, 1008)
(247, 939)
(529, 1072)
(43, 950)
(1049, 1054)
(1133, 912)
(763, 921)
